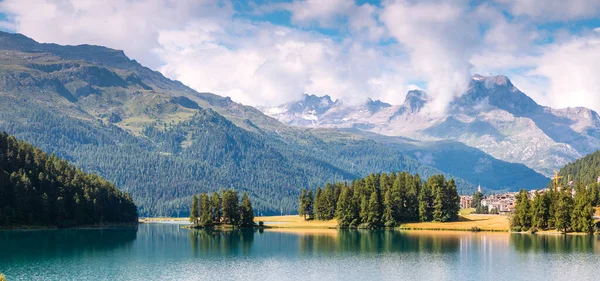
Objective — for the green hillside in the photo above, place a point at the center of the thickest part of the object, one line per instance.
(585, 170)
(37, 189)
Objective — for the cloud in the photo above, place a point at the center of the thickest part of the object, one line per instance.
(553, 10)
(132, 26)
(440, 38)
(571, 68)
(323, 12)
(367, 50)
(268, 65)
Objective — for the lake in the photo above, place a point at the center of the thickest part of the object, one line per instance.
(168, 252)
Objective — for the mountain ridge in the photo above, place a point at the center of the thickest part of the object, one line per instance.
(493, 115)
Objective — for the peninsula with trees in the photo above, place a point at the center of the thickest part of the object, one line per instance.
(221, 210)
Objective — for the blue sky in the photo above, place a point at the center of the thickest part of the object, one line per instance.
(265, 52)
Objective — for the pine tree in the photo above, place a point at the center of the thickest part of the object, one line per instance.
(247, 214)
(425, 204)
(452, 201)
(540, 210)
(522, 214)
(346, 209)
(583, 212)
(231, 207)
(330, 202)
(205, 210)
(477, 197)
(195, 211)
(595, 194)
(563, 209)
(438, 205)
(321, 205)
(310, 204)
(216, 207)
(374, 210)
(302, 204)
(412, 197)
(364, 209)
(397, 198)
(388, 217)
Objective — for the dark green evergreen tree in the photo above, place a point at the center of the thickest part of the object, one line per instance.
(205, 217)
(477, 197)
(310, 204)
(216, 205)
(563, 210)
(540, 210)
(195, 210)
(231, 211)
(582, 216)
(374, 210)
(302, 204)
(246, 213)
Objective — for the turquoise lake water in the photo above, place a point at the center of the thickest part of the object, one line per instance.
(168, 252)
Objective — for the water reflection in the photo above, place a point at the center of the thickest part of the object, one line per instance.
(384, 241)
(41, 244)
(555, 243)
(216, 242)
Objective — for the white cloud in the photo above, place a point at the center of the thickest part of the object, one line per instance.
(439, 37)
(271, 65)
(571, 68)
(554, 10)
(132, 26)
(206, 45)
(324, 12)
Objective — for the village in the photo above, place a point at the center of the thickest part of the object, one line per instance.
(504, 203)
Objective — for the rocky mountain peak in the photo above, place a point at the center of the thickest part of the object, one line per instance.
(497, 91)
(375, 105)
(312, 103)
(415, 100)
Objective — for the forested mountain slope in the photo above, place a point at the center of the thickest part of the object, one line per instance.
(162, 141)
(585, 170)
(37, 189)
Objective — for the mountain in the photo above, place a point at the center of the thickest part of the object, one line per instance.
(470, 163)
(492, 116)
(162, 141)
(37, 189)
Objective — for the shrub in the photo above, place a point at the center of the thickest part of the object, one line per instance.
(364, 226)
(516, 229)
(475, 229)
(533, 230)
(390, 223)
(261, 223)
(524, 229)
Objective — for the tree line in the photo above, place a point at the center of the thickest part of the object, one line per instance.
(557, 209)
(382, 200)
(41, 189)
(218, 209)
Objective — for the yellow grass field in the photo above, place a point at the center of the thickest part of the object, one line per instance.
(294, 222)
(466, 223)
